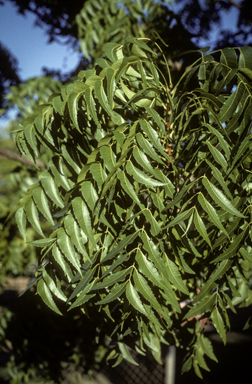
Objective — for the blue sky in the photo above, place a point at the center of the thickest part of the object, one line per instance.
(28, 43)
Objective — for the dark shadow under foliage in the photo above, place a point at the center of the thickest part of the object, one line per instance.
(43, 342)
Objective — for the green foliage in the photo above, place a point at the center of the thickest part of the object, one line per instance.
(102, 21)
(26, 97)
(18, 257)
(149, 208)
(39, 346)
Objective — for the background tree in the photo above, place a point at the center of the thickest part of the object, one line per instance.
(197, 17)
(8, 73)
(181, 24)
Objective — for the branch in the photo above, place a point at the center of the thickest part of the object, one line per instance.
(235, 4)
(7, 154)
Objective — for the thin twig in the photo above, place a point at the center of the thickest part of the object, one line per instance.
(235, 4)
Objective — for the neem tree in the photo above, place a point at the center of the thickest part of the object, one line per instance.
(148, 192)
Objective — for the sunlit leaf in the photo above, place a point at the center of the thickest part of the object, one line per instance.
(42, 242)
(50, 188)
(33, 217)
(46, 296)
(207, 347)
(114, 294)
(59, 258)
(218, 157)
(56, 290)
(42, 204)
(181, 217)
(67, 249)
(211, 212)
(141, 177)
(134, 299)
(21, 221)
(121, 246)
(83, 217)
(175, 277)
(77, 238)
(232, 249)
(205, 305)
(199, 224)
(219, 324)
(125, 353)
(220, 198)
(58, 171)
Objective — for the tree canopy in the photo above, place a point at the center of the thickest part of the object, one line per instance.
(148, 195)
(136, 198)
